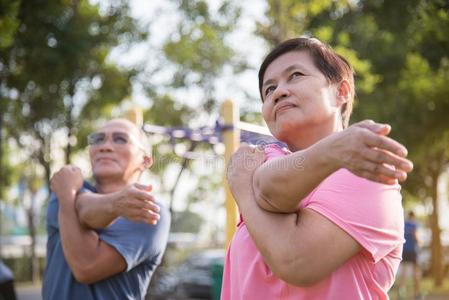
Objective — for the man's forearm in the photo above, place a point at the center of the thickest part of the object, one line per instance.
(78, 243)
(95, 210)
(281, 183)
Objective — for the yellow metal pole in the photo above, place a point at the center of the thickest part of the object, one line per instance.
(135, 115)
(231, 139)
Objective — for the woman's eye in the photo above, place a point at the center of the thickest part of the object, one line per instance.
(269, 89)
(296, 75)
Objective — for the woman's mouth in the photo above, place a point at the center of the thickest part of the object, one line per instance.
(282, 108)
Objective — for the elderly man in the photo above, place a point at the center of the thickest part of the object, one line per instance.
(105, 241)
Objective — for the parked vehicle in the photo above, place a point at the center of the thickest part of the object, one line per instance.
(191, 279)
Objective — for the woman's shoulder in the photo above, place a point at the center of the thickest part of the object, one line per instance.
(345, 179)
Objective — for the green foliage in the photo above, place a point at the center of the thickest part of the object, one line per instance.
(186, 221)
(165, 111)
(206, 189)
(8, 21)
(7, 172)
(56, 73)
(198, 48)
(400, 51)
(291, 18)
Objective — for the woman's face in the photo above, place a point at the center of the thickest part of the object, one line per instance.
(297, 97)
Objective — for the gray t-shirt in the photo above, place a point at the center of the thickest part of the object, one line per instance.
(141, 245)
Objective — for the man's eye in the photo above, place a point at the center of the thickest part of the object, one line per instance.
(120, 140)
(269, 89)
(96, 139)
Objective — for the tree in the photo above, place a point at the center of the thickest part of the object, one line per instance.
(8, 27)
(400, 54)
(196, 53)
(55, 74)
(57, 64)
(198, 48)
(409, 50)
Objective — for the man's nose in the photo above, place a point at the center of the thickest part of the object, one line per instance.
(280, 92)
(107, 145)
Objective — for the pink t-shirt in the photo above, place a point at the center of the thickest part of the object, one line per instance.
(369, 212)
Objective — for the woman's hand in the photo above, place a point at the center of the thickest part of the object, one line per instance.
(365, 149)
(240, 171)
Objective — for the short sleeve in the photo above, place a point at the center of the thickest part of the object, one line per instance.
(274, 150)
(371, 213)
(137, 241)
(53, 208)
(52, 215)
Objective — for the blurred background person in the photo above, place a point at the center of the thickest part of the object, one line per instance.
(409, 267)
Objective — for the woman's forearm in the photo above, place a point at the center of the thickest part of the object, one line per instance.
(281, 183)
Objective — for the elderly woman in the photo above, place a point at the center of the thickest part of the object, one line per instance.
(323, 219)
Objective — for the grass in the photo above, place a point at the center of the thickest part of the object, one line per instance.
(429, 287)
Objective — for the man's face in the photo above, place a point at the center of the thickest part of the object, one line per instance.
(115, 151)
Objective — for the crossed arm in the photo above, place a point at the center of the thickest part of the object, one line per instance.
(364, 149)
(90, 258)
(133, 202)
(302, 246)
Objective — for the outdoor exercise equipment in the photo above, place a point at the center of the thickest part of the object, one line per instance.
(228, 130)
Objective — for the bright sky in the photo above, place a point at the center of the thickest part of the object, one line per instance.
(163, 18)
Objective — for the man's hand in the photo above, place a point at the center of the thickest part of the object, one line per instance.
(365, 150)
(240, 171)
(66, 182)
(135, 202)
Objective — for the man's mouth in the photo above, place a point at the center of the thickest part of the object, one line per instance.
(104, 159)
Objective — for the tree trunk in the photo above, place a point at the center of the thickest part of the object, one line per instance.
(1, 146)
(437, 264)
(1, 169)
(32, 232)
(69, 125)
(45, 150)
(184, 165)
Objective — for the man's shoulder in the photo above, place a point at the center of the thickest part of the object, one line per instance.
(87, 186)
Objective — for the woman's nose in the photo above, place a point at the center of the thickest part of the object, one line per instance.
(280, 92)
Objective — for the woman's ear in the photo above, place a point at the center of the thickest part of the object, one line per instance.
(343, 92)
